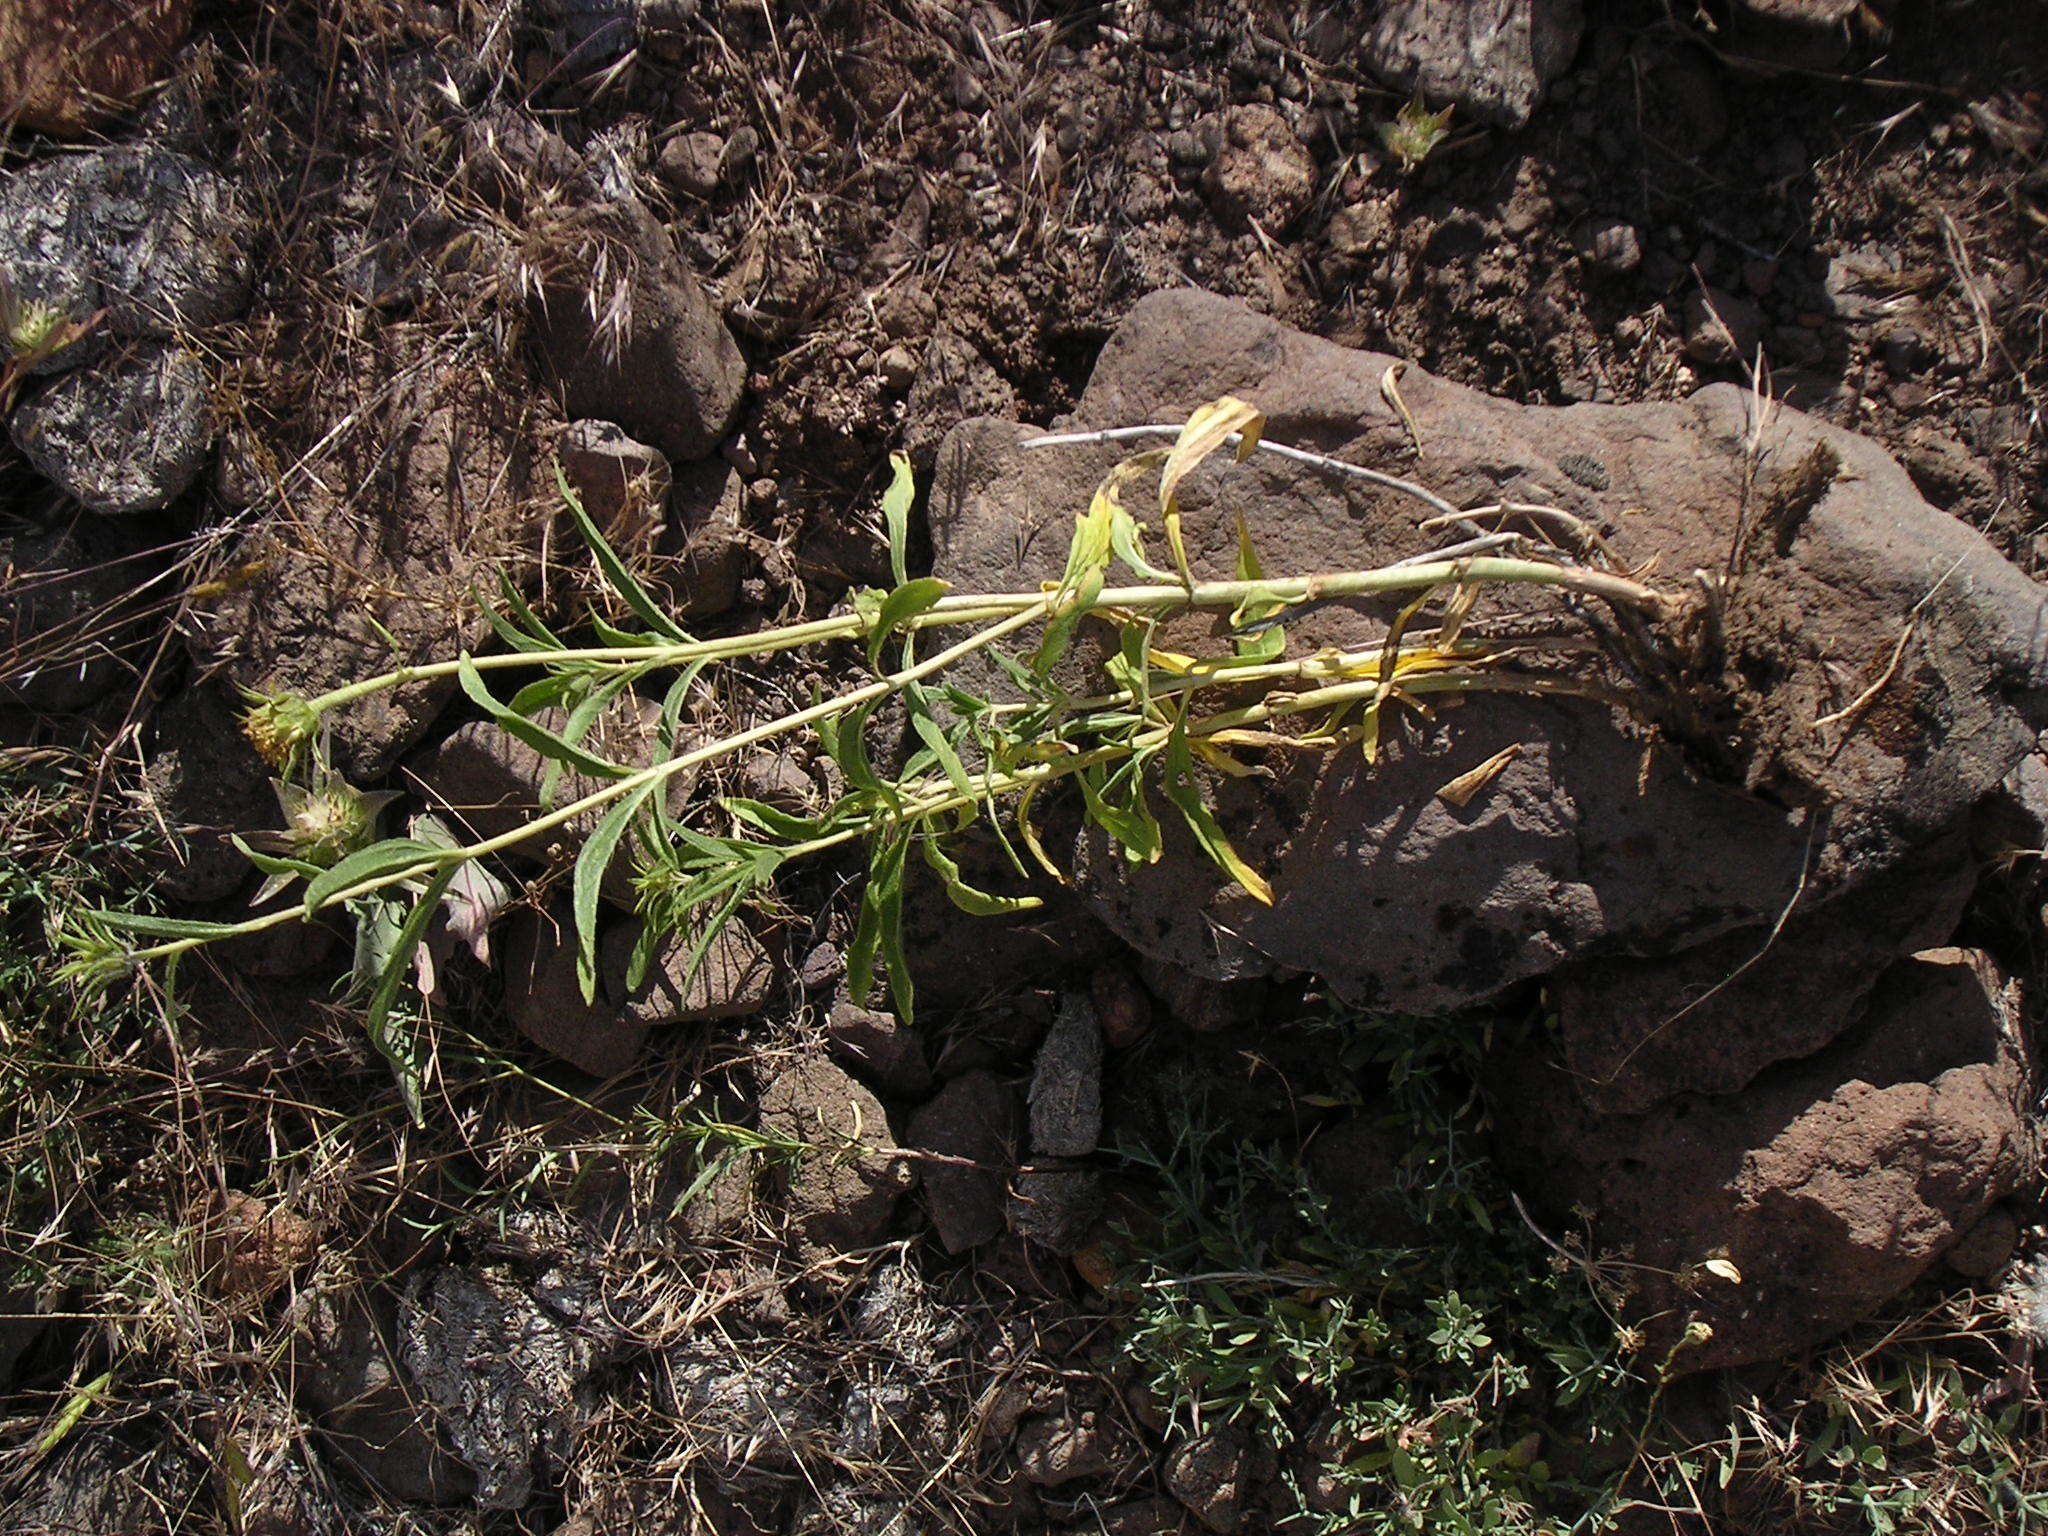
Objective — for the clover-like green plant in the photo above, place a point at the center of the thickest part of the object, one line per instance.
(1158, 721)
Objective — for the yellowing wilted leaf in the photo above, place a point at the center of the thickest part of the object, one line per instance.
(1459, 791)
(1208, 429)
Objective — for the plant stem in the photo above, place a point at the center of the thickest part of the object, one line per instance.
(982, 607)
(879, 689)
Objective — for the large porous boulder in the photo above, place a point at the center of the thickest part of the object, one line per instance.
(1493, 59)
(205, 783)
(1636, 1032)
(68, 66)
(415, 488)
(1806, 751)
(1830, 1184)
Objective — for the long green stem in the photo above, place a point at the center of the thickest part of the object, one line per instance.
(440, 859)
(983, 607)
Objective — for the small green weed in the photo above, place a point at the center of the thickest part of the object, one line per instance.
(1421, 1371)
(1415, 132)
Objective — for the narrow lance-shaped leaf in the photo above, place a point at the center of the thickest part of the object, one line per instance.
(549, 744)
(1180, 786)
(969, 899)
(1208, 429)
(393, 859)
(591, 864)
(377, 1014)
(1270, 643)
(902, 605)
(878, 932)
(896, 502)
(622, 580)
(1087, 561)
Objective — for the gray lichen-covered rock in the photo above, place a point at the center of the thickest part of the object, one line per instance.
(346, 1367)
(505, 1374)
(1493, 59)
(149, 239)
(1066, 1082)
(127, 434)
(140, 245)
(750, 1403)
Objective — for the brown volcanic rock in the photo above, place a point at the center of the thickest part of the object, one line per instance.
(408, 511)
(1403, 901)
(1832, 1184)
(67, 66)
(1637, 1032)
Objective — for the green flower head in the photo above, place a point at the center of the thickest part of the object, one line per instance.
(327, 820)
(279, 725)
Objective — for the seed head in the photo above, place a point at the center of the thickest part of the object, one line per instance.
(279, 725)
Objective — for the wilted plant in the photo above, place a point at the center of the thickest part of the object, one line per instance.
(1162, 718)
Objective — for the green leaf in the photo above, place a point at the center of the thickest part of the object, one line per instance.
(1181, 788)
(905, 603)
(591, 864)
(844, 738)
(385, 862)
(1127, 540)
(525, 631)
(556, 749)
(377, 1013)
(270, 863)
(1130, 825)
(151, 927)
(541, 692)
(622, 580)
(975, 903)
(577, 724)
(73, 1410)
(948, 756)
(896, 501)
(794, 829)
(1268, 644)
(879, 929)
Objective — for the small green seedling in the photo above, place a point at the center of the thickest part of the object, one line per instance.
(1415, 133)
